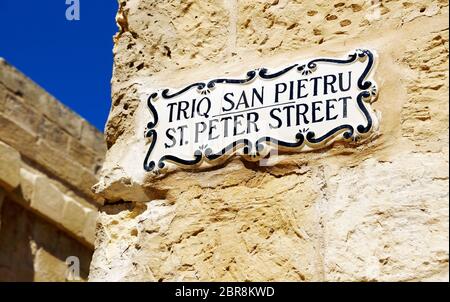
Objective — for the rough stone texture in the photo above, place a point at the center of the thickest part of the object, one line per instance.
(375, 212)
(49, 159)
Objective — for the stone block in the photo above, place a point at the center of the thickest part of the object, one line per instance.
(27, 183)
(86, 181)
(74, 216)
(17, 137)
(64, 168)
(90, 226)
(47, 200)
(54, 135)
(2, 98)
(10, 78)
(82, 154)
(21, 85)
(93, 138)
(48, 268)
(10, 162)
(22, 113)
(63, 116)
(38, 98)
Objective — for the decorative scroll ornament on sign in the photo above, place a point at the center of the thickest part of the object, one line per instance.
(301, 107)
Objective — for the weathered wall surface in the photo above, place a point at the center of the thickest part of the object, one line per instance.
(377, 212)
(49, 159)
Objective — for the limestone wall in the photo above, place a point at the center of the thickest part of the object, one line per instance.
(375, 212)
(49, 159)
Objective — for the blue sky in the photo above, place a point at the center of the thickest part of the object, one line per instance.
(72, 60)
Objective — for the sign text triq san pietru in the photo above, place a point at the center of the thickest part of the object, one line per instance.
(239, 111)
(300, 107)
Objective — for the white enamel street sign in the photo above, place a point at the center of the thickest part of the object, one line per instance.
(304, 106)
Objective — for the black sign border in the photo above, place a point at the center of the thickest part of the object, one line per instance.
(368, 93)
